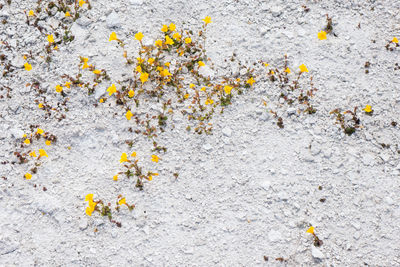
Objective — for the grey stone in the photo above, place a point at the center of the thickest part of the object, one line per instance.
(316, 253)
(227, 132)
(113, 20)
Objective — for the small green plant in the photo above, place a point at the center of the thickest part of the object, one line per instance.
(347, 120)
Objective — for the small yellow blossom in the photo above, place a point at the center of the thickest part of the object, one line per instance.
(186, 96)
(303, 68)
(32, 154)
(150, 61)
(395, 40)
(172, 27)
(59, 88)
(28, 66)
(139, 36)
(140, 60)
(133, 154)
(167, 64)
(97, 72)
(40, 105)
(209, 101)
(188, 40)
(50, 38)
(68, 84)
(368, 109)
(42, 153)
(39, 131)
(139, 69)
(271, 72)
(164, 28)
(115, 177)
(55, 48)
(310, 230)
(131, 93)
(31, 13)
(28, 176)
(322, 35)
(207, 20)
(168, 40)
(48, 142)
(165, 73)
(266, 64)
(81, 3)
(203, 89)
(177, 36)
(227, 89)
(27, 141)
(89, 197)
(101, 100)
(67, 14)
(192, 85)
(112, 89)
(150, 177)
(158, 43)
(144, 77)
(154, 158)
(251, 81)
(128, 115)
(122, 201)
(201, 63)
(287, 70)
(113, 37)
(85, 65)
(91, 208)
(124, 158)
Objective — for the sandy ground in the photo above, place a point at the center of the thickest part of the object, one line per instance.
(247, 193)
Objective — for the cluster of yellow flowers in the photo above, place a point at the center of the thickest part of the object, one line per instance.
(91, 204)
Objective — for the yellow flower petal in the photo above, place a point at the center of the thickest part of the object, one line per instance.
(164, 28)
(48, 142)
(40, 105)
(209, 101)
(251, 81)
(287, 70)
(128, 115)
(139, 36)
(32, 154)
(112, 89)
(28, 66)
(133, 154)
(115, 178)
(395, 40)
(28, 176)
(67, 14)
(50, 38)
(124, 158)
(168, 40)
(154, 158)
(59, 88)
(303, 68)
(39, 131)
(144, 77)
(207, 20)
(42, 153)
(201, 63)
(310, 230)
(158, 43)
(122, 201)
(322, 35)
(172, 27)
(367, 109)
(131, 93)
(113, 37)
(177, 36)
(89, 197)
(188, 40)
(31, 13)
(227, 89)
(81, 3)
(97, 72)
(27, 141)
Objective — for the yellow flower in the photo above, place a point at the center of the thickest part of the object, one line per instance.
(207, 20)
(112, 89)
(122, 201)
(31, 13)
(271, 72)
(67, 14)
(40, 105)
(172, 27)
(177, 36)
(201, 63)
(266, 64)
(140, 60)
(113, 37)
(55, 48)
(167, 64)
(367, 109)
(28, 66)
(144, 77)
(192, 85)
(97, 72)
(395, 40)
(139, 36)
(186, 96)
(68, 84)
(165, 72)
(128, 115)
(33, 154)
(124, 157)
(115, 177)
(85, 65)
(59, 88)
(139, 69)
(89, 197)
(150, 177)
(154, 158)
(133, 154)
(310, 230)
(158, 43)
(131, 93)
(209, 101)
(48, 142)
(251, 81)
(81, 3)
(287, 70)
(168, 40)
(50, 38)
(203, 89)
(227, 89)
(42, 153)
(150, 61)
(322, 35)
(164, 28)
(39, 131)
(101, 100)
(303, 68)
(188, 40)
(27, 141)
(28, 176)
